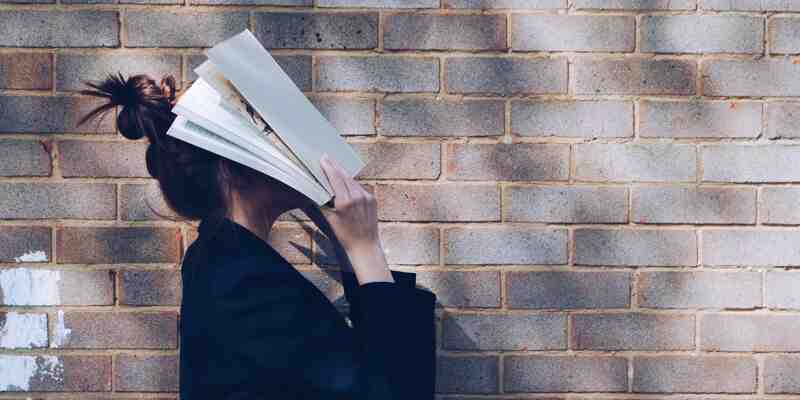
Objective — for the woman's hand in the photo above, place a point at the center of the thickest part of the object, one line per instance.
(354, 221)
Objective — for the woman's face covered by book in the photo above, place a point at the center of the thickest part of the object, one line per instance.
(257, 193)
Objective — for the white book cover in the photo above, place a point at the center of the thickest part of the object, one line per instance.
(255, 74)
(244, 107)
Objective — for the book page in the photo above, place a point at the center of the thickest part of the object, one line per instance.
(186, 130)
(270, 91)
(202, 105)
(231, 98)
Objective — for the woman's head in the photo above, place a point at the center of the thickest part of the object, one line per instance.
(195, 183)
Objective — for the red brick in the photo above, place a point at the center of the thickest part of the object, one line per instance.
(51, 373)
(30, 71)
(120, 330)
(24, 244)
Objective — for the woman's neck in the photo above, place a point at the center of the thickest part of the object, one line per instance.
(258, 220)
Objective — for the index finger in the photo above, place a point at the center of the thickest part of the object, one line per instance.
(335, 178)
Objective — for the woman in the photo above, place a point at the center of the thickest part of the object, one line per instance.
(252, 327)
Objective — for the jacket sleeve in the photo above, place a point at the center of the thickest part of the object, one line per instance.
(394, 322)
(273, 337)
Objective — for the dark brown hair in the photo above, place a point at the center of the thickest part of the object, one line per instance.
(195, 183)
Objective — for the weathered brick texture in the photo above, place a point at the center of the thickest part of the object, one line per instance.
(603, 194)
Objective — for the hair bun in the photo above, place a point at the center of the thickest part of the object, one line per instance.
(145, 105)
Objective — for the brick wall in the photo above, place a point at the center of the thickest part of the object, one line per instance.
(599, 191)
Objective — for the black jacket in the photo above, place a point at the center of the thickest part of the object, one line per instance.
(253, 327)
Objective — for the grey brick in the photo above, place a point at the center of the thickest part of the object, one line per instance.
(443, 202)
(466, 374)
(780, 205)
(348, 115)
(24, 158)
(635, 247)
(182, 29)
(305, 30)
(380, 3)
(735, 247)
(505, 245)
(378, 74)
(510, 4)
(780, 374)
(431, 117)
(650, 162)
(784, 35)
(74, 68)
(566, 204)
(564, 374)
(636, 4)
(29, 1)
(137, 202)
(34, 28)
(633, 331)
(702, 34)
(410, 244)
(257, 2)
(505, 76)
(694, 374)
(751, 5)
(508, 161)
(42, 200)
(504, 332)
(635, 76)
(82, 158)
(30, 71)
(463, 289)
(387, 160)
(744, 163)
(781, 289)
(117, 245)
(444, 32)
(143, 372)
(568, 289)
(584, 119)
(699, 119)
(52, 287)
(150, 287)
(783, 120)
(532, 32)
(749, 332)
(693, 205)
(297, 67)
(700, 289)
(124, 330)
(25, 244)
(766, 77)
(45, 114)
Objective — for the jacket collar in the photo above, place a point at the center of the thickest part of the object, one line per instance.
(227, 235)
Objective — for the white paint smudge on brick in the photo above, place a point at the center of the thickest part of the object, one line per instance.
(16, 372)
(23, 331)
(32, 256)
(60, 332)
(30, 287)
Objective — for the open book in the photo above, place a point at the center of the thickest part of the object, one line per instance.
(244, 107)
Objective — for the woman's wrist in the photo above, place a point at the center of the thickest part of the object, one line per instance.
(369, 263)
